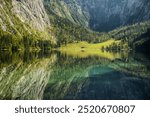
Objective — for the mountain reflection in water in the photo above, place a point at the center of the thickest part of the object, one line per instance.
(56, 75)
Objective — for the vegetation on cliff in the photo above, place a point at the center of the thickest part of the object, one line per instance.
(18, 35)
(15, 34)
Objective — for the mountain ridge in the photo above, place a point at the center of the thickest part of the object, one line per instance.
(102, 15)
(43, 23)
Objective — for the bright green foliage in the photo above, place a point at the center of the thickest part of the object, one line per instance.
(130, 33)
(15, 34)
(68, 32)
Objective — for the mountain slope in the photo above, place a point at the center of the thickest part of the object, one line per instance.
(137, 36)
(26, 23)
(68, 9)
(125, 20)
(22, 21)
(101, 15)
(106, 15)
(31, 11)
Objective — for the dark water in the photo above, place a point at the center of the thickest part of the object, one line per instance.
(55, 75)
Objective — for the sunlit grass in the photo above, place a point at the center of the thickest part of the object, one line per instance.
(84, 49)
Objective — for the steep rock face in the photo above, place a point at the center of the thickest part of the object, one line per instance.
(15, 13)
(101, 15)
(5, 17)
(31, 11)
(68, 9)
(106, 15)
(21, 18)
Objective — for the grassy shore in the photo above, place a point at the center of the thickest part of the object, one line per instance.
(84, 49)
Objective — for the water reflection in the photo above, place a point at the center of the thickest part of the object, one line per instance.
(24, 76)
(83, 53)
(97, 77)
(107, 83)
(60, 75)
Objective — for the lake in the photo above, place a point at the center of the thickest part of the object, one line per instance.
(49, 75)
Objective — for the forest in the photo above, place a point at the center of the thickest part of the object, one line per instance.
(22, 36)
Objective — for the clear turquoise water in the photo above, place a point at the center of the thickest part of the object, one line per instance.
(55, 75)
